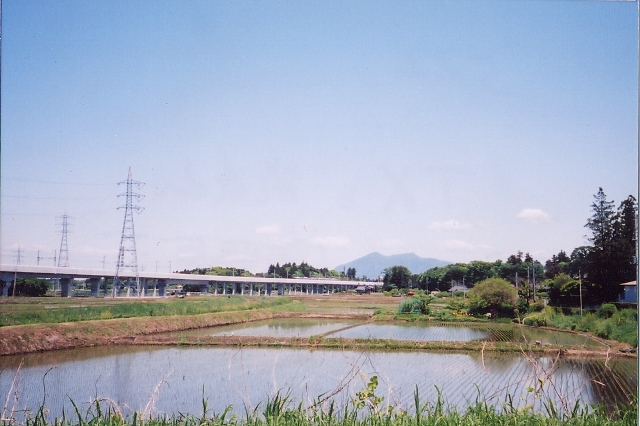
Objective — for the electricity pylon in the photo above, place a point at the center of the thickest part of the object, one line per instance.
(63, 259)
(127, 256)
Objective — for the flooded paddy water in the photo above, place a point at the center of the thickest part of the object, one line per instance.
(174, 380)
(415, 331)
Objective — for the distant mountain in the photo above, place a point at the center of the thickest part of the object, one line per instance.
(373, 264)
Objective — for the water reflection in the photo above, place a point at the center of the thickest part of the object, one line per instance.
(277, 327)
(413, 332)
(246, 377)
(455, 332)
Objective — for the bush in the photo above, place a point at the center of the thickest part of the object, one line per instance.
(413, 306)
(443, 294)
(537, 306)
(29, 287)
(493, 295)
(538, 319)
(607, 310)
(456, 305)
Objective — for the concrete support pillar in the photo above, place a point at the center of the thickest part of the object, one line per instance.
(4, 285)
(224, 288)
(250, 289)
(162, 288)
(95, 286)
(268, 291)
(280, 289)
(65, 287)
(143, 287)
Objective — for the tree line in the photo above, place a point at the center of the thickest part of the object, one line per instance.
(304, 270)
(599, 268)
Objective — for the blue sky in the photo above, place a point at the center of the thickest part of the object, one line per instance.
(319, 131)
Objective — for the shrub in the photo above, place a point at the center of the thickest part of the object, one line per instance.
(29, 287)
(493, 295)
(607, 310)
(413, 306)
(538, 319)
(456, 305)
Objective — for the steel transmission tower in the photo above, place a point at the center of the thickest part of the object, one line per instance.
(63, 259)
(127, 256)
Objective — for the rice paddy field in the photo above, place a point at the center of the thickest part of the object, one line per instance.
(413, 331)
(171, 380)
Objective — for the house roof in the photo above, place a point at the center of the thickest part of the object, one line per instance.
(459, 287)
(630, 283)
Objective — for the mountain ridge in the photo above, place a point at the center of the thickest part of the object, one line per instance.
(372, 264)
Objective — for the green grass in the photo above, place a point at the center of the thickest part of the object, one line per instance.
(43, 312)
(365, 409)
(622, 325)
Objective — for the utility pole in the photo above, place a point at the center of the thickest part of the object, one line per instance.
(580, 278)
(127, 256)
(15, 274)
(533, 273)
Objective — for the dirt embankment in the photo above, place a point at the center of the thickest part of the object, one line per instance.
(46, 337)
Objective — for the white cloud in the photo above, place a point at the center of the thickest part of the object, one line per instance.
(534, 215)
(449, 225)
(332, 242)
(267, 229)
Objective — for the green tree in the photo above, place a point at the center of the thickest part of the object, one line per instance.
(396, 276)
(29, 287)
(478, 271)
(610, 261)
(563, 291)
(493, 295)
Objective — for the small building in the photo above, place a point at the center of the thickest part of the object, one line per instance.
(630, 294)
(364, 289)
(459, 287)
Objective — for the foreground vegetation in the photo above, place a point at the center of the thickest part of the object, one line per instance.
(365, 409)
(607, 322)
